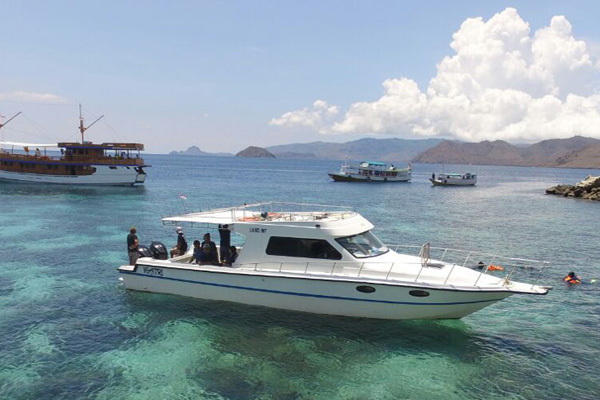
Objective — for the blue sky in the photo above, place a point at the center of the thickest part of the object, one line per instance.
(223, 75)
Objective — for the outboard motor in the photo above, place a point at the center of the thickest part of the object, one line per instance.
(144, 251)
(158, 251)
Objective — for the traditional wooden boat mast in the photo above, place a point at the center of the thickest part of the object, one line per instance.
(10, 119)
(82, 128)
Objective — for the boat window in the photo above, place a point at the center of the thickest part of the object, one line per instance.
(363, 245)
(299, 247)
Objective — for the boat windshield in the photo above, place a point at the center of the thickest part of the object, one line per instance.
(363, 245)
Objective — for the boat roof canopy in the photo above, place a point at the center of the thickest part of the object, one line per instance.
(31, 145)
(375, 163)
(105, 146)
(267, 212)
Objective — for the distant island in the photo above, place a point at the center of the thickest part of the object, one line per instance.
(575, 152)
(254, 151)
(195, 151)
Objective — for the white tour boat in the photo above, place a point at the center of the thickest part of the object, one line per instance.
(82, 163)
(371, 171)
(323, 259)
(444, 179)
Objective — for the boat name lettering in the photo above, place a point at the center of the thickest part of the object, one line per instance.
(153, 271)
(258, 230)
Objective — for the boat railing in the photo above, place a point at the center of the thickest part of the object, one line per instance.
(286, 211)
(72, 159)
(421, 264)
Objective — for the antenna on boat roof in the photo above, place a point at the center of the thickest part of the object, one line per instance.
(82, 128)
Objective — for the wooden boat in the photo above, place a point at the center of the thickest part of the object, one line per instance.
(372, 171)
(444, 179)
(82, 163)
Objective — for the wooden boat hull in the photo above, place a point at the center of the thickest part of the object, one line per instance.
(102, 175)
(368, 179)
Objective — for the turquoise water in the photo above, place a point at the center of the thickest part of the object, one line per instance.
(69, 330)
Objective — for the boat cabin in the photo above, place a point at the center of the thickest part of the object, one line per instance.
(277, 236)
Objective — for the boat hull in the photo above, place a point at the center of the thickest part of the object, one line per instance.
(453, 182)
(369, 179)
(321, 295)
(103, 175)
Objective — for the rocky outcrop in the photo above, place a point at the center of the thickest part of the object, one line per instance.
(254, 151)
(588, 189)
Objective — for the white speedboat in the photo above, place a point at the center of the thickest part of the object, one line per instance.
(326, 260)
(84, 163)
(371, 171)
(443, 179)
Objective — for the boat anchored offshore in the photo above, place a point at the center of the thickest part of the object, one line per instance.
(443, 179)
(326, 260)
(371, 171)
(82, 163)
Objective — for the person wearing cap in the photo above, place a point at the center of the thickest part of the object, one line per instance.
(181, 246)
(132, 246)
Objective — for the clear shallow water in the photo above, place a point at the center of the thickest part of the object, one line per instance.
(69, 330)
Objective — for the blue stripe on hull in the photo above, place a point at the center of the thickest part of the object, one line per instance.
(310, 295)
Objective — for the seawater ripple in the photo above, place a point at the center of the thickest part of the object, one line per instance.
(68, 329)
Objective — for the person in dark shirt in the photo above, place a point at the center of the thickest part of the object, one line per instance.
(210, 249)
(225, 242)
(231, 257)
(181, 246)
(197, 255)
(132, 246)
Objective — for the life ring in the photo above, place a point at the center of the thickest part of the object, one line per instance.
(274, 215)
(496, 268)
(245, 219)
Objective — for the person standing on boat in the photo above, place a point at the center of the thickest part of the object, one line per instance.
(132, 246)
(225, 242)
(181, 246)
(213, 256)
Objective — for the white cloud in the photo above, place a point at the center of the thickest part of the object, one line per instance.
(31, 97)
(501, 83)
(317, 118)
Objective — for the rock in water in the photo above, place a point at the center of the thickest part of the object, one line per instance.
(588, 189)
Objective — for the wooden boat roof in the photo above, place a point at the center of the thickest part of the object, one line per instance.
(104, 146)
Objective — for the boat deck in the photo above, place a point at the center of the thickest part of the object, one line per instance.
(406, 269)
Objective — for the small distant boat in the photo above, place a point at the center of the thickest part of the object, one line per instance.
(372, 171)
(82, 163)
(443, 179)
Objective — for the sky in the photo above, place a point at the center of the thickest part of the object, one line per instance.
(225, 75)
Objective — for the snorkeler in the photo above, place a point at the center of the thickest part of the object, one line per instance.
(572, 278)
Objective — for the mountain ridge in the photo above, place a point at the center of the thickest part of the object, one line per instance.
(574, 152)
